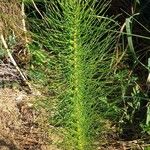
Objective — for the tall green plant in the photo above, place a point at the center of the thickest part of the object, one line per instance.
(78, 33)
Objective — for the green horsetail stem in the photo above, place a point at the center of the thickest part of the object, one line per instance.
(82, 44)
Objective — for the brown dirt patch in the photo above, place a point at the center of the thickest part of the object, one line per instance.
(19, 127)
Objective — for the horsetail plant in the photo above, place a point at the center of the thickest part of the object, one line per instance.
(79, 34)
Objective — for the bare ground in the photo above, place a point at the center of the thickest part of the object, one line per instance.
(22, 127)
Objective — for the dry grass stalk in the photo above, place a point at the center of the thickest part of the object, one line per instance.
(11, 58)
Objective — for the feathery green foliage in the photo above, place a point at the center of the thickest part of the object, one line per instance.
(80, 36)
(83, 44)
